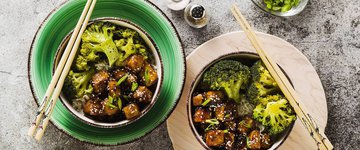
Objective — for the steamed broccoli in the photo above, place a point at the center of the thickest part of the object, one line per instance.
(98, 37)
(127, 33)
(77, 84)
(130, 43)
(128, 48)
(260, 74)
(228, 75)
(257, 90)
(263, 83)
(68, 88)
(275, 113)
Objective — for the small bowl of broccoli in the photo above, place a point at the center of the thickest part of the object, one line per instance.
(116, 75)
(282, 8)
(234, 103)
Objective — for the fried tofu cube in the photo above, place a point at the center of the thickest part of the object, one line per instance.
(136, 62)
(99, 81)
(201, 115)
(229, 140)
(230, 125)
(265, 141)
(148, 75)
(215, 138)
(93, 108)
(254, 140)
(198, 100)
(220, 112)
(108, 110)
(143, 94)
(215, 96)
(118, 74)
(114, 91)
(131, 111)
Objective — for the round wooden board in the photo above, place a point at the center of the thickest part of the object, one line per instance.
(300, 71)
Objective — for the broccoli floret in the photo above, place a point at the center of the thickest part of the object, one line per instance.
(260, 74)
(83, 58)
(69, 89)
(257, 90)
(127, 49)
(79, 81)
(274, 113)
(270, 98)
(228, 75)
(129, 44)
(98, 37)
(263, 83)
(89, 54)
(127, 33)
(81, 63)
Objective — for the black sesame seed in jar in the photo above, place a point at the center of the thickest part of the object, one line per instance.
(198, 11)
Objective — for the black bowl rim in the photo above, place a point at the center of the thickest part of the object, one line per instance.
(154, 98)
(193, 85)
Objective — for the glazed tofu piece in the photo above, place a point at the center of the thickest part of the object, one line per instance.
(265, 141)
(198, 100)
(93, 108)
(143, 94)
(215, 96)
(230, 125)
(242, 129)
(114, 91)
(220, 112)
(248, 122)
(131, 79)
(148, 75)
(99, 81)
(229, 140)
(131, 111)
(118, 74)
(108, 110)
(215, 138)
(136, 63)
(254, 140)
(201, 115)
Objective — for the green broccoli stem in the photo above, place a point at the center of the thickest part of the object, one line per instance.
(233, 91)
(109, 48)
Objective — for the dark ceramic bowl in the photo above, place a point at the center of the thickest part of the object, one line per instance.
(247, 58)
(157, 63)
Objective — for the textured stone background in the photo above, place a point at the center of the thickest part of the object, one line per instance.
(327, 32)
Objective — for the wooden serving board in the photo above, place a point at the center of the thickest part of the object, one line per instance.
(300, 71)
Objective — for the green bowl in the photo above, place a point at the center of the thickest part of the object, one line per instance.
(144, 14)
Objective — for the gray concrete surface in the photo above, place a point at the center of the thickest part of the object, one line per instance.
(327, 32)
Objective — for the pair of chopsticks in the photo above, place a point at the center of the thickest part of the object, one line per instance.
(318, 134)
(47, 105)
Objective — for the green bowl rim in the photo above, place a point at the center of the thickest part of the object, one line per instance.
(120, 143)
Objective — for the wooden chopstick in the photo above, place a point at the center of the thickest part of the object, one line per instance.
(61, 72)
(284, 84)
(55, 78)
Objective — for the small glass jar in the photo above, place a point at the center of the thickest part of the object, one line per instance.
(196, 15)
